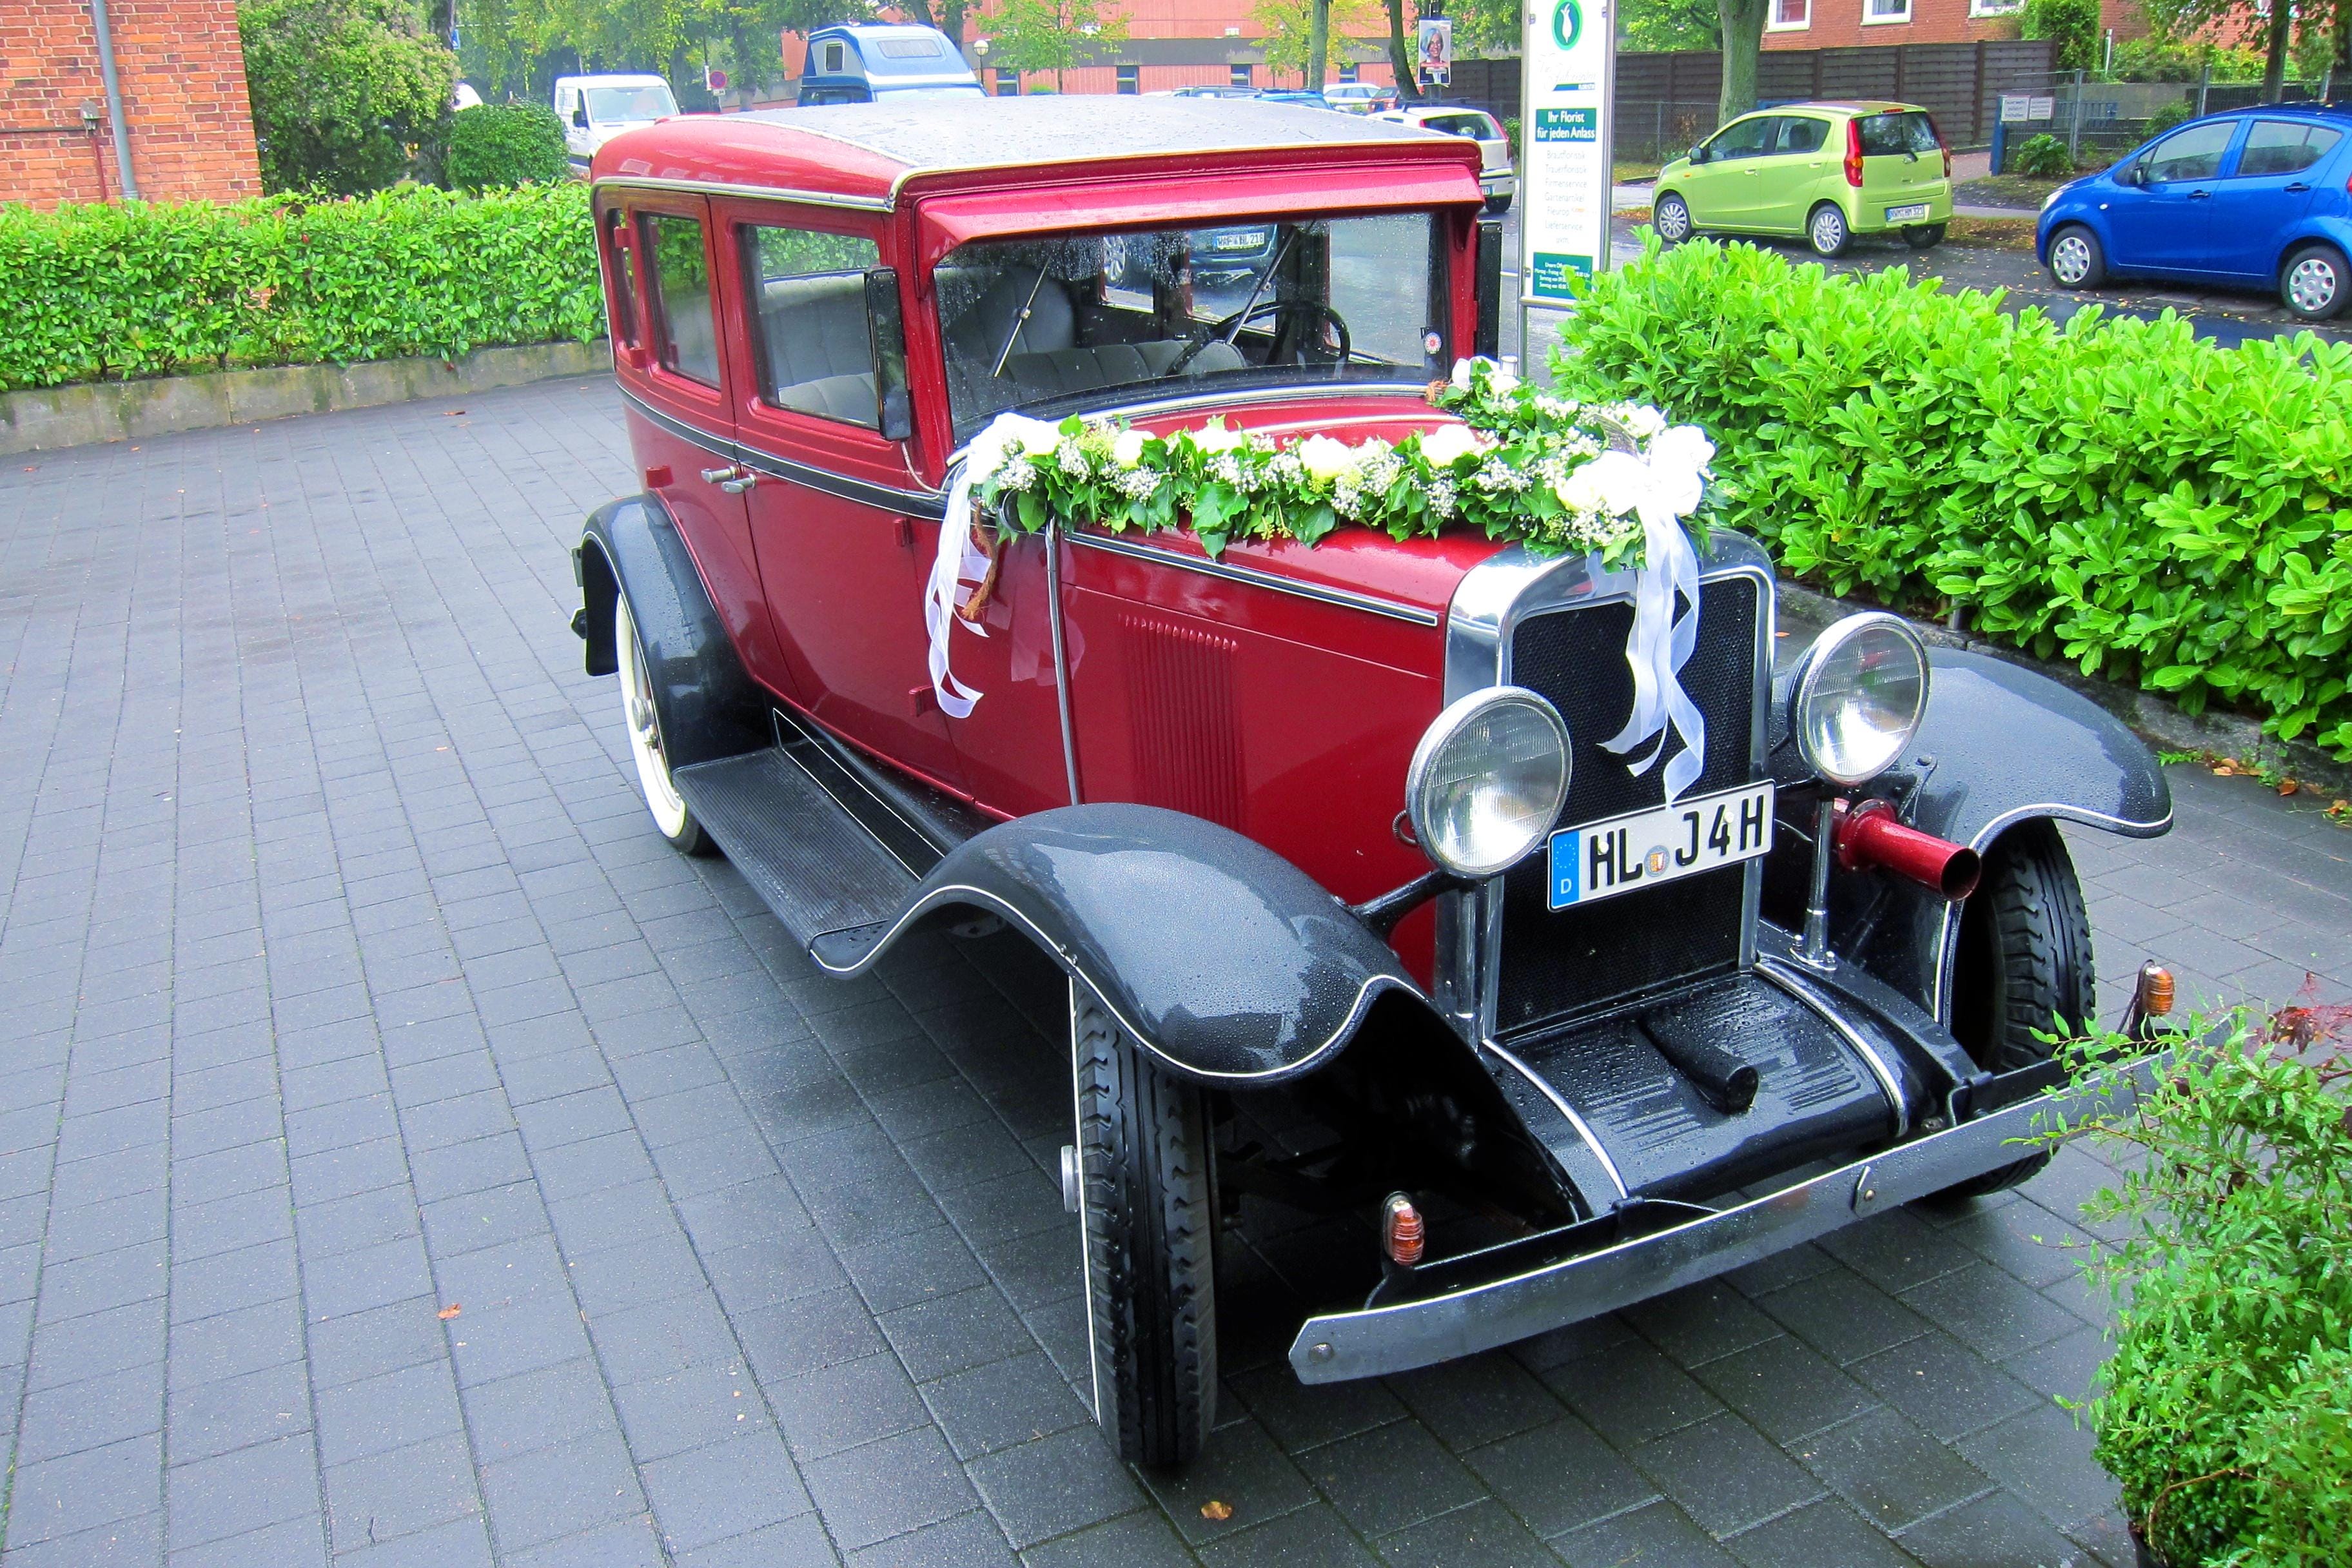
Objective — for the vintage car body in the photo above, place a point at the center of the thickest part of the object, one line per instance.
(1183, 780)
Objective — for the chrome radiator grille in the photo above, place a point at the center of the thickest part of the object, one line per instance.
(1555, 967)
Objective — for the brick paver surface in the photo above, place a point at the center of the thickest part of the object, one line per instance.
(406, 1157)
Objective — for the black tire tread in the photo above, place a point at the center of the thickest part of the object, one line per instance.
(2041, 969)
(1149, 1219)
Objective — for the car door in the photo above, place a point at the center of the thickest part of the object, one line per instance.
(1789, 172)
(1723, 192)
(678, 396)
(2268, 189)
(2161, 223)
(843, 528)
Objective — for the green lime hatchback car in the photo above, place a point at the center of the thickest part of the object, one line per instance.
(1824, 171)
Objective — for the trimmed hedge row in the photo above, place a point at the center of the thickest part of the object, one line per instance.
(94, 293)
(2118, 492)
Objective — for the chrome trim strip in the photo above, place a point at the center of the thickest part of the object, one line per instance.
(1341, 1346)
(1345, 598)
(1566, 1110)
(1937, 993)
(1061, 651)
(1796, 985)
(1176, 403)
(762, 193)
(912, 503)
(959, 893)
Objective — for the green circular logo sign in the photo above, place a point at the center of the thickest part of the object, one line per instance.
(1567, 23)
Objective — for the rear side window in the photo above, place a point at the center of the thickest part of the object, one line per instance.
(2285, 147)
(2191, 153)
(1798, 134)
(1895, 134)
(816, 346)
(624, 276)
(681, 297)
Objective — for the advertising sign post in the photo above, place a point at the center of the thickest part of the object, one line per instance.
(1433, 52)
(1569, 57)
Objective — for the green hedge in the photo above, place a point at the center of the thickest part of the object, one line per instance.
(2118, 492)
(506, 145)
(91, 293)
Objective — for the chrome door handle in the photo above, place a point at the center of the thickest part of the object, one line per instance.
(2299, 186)
(743, 481)
(717, 476)
(2199, 195)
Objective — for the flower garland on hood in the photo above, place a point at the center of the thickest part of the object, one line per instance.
(1614, 481)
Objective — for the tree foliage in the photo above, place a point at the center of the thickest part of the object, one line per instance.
(1288, 25)
(500, 144)
(346, 94)
(1052, 34)
(1661, 26)
(2308, 35)
(513, 45)
(2072, 25)
(1742, 26)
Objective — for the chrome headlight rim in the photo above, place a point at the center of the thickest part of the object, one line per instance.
(1807, 690)
(1446, 728)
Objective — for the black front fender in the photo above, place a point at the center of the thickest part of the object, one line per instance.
(1222, 958)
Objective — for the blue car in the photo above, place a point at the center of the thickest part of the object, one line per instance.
(2256, 197)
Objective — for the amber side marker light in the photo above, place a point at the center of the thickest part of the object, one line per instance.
(1401, 1236)
(2151, 1000)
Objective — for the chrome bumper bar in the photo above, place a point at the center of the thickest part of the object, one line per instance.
(1339, 1346)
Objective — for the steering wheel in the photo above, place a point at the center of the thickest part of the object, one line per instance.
(1230, 328)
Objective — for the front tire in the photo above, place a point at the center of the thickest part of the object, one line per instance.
(2315, 283)
(1498, 206)
(1826, 231)
(1923, 236)
(1148, 1204)
(2023, 965)
(643, 716)
(2077, 260)
(1672, 219)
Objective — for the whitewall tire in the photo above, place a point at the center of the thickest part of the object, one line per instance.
(642, 717)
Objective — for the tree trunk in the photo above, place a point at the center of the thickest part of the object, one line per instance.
(1400, 56)
(1318, 42)
(1743, 40)
(2275, 65)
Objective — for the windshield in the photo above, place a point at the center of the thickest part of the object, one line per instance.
(1053, 323)
(609, 105)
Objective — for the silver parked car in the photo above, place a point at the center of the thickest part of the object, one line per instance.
(1497, 177)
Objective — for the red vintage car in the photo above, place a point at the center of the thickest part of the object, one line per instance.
(1332, 815)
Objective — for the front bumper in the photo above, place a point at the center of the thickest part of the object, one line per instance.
(1479, 1314)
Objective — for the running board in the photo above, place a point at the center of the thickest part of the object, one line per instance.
(810, 860)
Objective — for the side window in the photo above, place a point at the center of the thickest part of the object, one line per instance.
(1743, 138)
(1800, 134)
(816, 347)
(681, 297)
(2286, 146)
(2192, 154)
(623, 267)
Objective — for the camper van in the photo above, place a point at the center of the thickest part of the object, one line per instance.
(862, 62)
(595, 109)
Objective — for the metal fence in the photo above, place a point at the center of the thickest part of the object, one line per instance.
(2100, 121)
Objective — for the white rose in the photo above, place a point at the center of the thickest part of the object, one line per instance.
(1618, 483)
(1576, 491)
(1643, 420)
(1324, 458)
(1448, 444)
(1463, 370)
(1037, 437)
(1219, 437)
(1126, 451)
(1678, 457)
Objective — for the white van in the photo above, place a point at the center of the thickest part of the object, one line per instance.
(595, 109)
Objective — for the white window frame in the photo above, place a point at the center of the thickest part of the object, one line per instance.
(1893, 21)
(1995, 7)
(1773, 23)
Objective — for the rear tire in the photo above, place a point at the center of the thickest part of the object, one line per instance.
(1147, 1207)
(642, 714)
(2315, 283)
(1826, 230)
(1672, 219)
(2024, 960)
(2077, 260)
(1923, 236)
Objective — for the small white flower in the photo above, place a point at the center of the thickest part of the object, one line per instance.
(1139, 484)
(1127, 448)
(1448, 444)
(1017, 475)
(1324, 458)
(1443, 499)
(1639, 418)
(1071, 457)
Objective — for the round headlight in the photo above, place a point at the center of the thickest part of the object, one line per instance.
(1487, 780)
(1859, 698)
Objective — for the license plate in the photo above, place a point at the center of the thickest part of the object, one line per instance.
(1917, 210)
(1643, 848)
(1250, 241)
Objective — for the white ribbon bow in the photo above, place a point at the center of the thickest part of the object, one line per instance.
(1664, 635)
(957, 561)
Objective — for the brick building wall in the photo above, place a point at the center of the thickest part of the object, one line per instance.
(183, 101)
(1841, 24)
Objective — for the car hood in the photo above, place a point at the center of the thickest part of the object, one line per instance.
(1679, 166)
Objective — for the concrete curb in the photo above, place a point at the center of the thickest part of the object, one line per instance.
(46, 418)
(2155, 717)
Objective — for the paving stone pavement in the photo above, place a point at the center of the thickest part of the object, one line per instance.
(405, 1158)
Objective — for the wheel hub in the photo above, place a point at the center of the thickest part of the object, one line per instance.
(2311, 285)
(2070, 258)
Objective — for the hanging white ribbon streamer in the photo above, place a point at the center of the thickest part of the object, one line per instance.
(1663, 634)
(958, 560)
